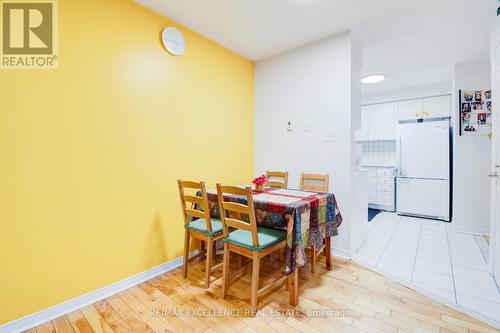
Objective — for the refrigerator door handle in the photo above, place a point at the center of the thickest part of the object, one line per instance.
(399, 157)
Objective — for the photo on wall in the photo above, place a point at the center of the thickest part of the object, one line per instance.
(481, 118)
(466, 107)
(477, 106)
(475, 112)
(465, 118)
(470, 128)
(468, 96)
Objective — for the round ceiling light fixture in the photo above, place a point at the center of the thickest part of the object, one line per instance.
(374, 78)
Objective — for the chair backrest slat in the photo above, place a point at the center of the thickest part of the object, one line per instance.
(235, 207)
(191, 184)
(230, 212)
(277, 179)
(195, 213)
(313, 182)
(234, 190)
(193, 199)
(239, 224)
(199, 204)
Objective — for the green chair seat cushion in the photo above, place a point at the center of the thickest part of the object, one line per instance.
(200, 225)
(267, 237)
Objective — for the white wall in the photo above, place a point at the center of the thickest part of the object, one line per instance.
(472, 157)
(313, 88)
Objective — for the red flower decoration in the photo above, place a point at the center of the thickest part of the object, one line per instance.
(261, 180)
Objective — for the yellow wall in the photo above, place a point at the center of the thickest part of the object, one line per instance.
(90, 153)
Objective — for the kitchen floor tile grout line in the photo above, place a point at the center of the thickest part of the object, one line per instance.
(480, 250)
(479, 298)
(448, 249)
(452, 276)
(356, 255)
(451, 264)
(449, 235)
(416, 253)
(495, 282)
(389, 240)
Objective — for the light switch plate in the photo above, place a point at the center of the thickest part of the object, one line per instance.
(330, 137)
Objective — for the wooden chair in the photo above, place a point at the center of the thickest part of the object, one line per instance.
(204, 228)
(318, 183)
(247, 240)
(313, 182)
(277, 179)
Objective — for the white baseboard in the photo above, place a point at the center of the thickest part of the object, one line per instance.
(74, 304)
(336, 252)
(384, 208)
(471, 230)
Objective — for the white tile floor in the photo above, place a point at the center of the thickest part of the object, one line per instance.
(428, 256)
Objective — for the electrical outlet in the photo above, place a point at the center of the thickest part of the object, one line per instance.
(307, 126)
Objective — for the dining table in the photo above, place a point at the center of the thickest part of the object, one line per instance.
(310, 218)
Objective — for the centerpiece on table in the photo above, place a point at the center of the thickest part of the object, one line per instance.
(259, 183)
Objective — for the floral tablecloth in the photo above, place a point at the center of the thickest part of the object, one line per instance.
(313, 217)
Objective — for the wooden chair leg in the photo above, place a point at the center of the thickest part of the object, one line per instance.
(215, 249)
(225, 271)
(255, 281)
(287, 285)
(208, 264)
(313, 259)
(186, 252)
(203, 248)
(293, 287)
(328, 253)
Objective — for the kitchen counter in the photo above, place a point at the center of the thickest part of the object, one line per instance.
(379, 164)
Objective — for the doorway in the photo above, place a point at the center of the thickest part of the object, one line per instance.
(494, 255)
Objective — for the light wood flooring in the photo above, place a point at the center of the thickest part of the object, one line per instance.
(372, 304)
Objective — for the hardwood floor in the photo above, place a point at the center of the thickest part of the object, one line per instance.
(368, 302)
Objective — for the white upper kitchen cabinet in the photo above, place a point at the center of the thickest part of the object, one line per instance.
(426, 108)
(437, 107)
(411, 109)
(379, 121)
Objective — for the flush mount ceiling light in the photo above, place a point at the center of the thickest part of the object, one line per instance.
(375, 78)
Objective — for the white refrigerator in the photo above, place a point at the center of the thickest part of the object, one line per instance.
(423, 181)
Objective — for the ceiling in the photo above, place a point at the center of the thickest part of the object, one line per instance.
(412, 42)
(426, 57)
